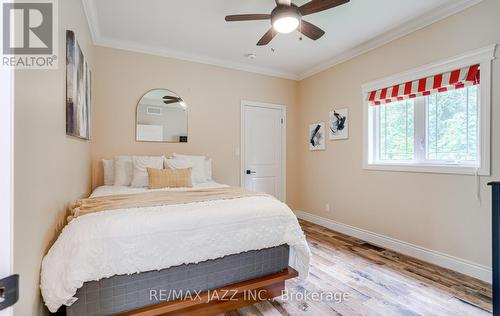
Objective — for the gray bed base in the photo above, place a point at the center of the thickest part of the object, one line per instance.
(121, 293)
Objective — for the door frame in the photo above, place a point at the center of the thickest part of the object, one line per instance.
(6, 182)
(247, 103)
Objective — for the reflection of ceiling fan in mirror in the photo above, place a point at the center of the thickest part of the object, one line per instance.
(171, 99)
(286, 17)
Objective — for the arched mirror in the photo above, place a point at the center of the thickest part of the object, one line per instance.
(161, 117)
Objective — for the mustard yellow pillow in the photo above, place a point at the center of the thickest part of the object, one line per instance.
(169, 178)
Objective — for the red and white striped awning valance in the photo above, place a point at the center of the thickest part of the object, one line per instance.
(455, 79)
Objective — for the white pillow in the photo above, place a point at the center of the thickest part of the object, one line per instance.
(109, 171)
(123, 170)
(208, 163)
(140, 173)
(198, 173)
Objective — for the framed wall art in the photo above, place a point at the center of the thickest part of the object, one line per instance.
(339, 124)
(78, 84)
(317, 136)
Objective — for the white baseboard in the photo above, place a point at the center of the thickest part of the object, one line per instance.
(469, 268)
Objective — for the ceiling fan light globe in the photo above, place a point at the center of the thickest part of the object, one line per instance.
(286, 24)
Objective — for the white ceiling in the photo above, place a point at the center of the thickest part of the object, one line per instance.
(195, 30)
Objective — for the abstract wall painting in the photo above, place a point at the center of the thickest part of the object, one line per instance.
(339, 124)
(78, 95)
(317, 136)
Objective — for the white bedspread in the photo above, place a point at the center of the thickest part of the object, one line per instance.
(127, 241)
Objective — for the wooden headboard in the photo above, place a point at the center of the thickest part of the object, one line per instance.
(97, 173)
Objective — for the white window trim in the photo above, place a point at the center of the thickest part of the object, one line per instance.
(482, 56)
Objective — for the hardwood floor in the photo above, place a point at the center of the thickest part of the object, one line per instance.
(377, 282)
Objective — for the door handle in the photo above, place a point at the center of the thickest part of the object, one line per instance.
(251, 172)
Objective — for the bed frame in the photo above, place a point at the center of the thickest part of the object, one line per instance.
(203, 288)
(223, 299)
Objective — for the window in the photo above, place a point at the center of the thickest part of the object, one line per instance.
(451, 121)
(436, 124)
(449, 134)
(396, 131)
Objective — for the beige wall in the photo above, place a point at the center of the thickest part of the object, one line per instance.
(51, 169)
(435, 211)
(213, 96)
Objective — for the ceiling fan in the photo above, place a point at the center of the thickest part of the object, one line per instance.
(287, 17)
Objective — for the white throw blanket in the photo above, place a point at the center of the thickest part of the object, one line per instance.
(127, 241)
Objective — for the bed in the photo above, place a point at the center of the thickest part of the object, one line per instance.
(116, 261)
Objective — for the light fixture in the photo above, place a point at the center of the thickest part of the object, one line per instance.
(285, 19)
(251, 55)
(182, 104)
(286, 24)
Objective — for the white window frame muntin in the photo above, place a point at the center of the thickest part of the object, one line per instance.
(482, 56)
(420, 113)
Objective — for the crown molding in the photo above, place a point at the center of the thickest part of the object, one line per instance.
(392, 35)
(93, 22)
(181, 55)
(389, 36)
(90, 12)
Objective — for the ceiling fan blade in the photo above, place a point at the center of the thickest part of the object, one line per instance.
(171, 101)
(247, 17)
(284, 2)
(320, 5)
(267, 37)
(310, 30)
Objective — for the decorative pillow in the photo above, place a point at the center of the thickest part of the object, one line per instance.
(194, 158)
(169, 178)
(198, 173)
(140, 174)
(109, 171)
(208, 163)
(123, 170)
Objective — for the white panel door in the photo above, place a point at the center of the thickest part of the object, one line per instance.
(262, 167)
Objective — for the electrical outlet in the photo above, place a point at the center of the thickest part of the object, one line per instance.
(327, 207)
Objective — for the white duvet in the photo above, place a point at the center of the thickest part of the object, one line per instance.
(127, 241)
